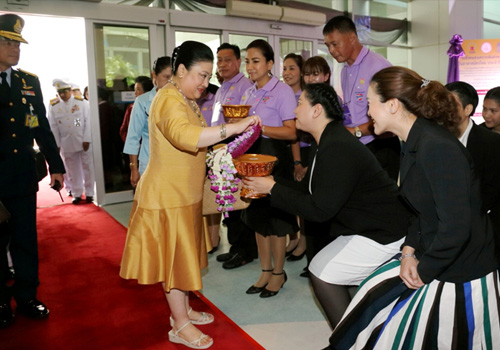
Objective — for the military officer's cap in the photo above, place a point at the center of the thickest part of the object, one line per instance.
(74, 87)
(61, 84)
(11, 26)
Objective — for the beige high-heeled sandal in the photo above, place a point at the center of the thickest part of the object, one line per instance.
(205, 318)
(174, 337)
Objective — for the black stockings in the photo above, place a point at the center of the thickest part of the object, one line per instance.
(333, 298)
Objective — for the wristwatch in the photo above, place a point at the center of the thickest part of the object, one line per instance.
(357, 132)
(297, 162)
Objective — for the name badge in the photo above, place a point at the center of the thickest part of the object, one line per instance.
(31, 121)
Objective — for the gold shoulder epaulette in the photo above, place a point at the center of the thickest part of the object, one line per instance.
(29, 73)
(54, 101)
(80, 98)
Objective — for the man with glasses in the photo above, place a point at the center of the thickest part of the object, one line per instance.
(22, 120)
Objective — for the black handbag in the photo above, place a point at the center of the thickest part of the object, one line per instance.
(4, 214)
(41, 166)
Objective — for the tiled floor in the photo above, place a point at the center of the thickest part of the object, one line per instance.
(291, 320)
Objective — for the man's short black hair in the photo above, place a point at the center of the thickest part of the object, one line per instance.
(466, 94)
(227, 46)
(341, 23)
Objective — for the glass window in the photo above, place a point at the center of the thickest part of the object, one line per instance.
(398, 56)
(122, 53)
(491, 30)
(299, 47)
(396, 9)
(242, 42)
(148, 3)
(211, 40)
(491, 14)
(334, 66)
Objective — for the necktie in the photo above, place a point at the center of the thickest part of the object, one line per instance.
(4, 89)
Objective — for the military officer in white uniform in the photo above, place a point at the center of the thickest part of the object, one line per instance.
(69, 118)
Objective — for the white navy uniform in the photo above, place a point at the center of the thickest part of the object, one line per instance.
(70, 124)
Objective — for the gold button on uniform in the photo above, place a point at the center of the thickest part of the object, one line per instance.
(12, 120)
(15, 151)
(14, 135)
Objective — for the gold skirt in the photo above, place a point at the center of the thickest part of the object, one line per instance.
(166, 245)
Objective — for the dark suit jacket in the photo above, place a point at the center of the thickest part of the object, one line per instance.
(18, 174)
(349, 188)
(484, 147)
(452, 237)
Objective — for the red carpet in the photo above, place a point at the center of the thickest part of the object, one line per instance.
(91, 306)
(47, 197)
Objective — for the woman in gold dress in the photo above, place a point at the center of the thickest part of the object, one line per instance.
(165, 240)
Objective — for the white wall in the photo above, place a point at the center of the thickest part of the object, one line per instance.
(433, 24)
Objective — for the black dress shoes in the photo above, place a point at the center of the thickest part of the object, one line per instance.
(33, 309)
(224, 257)
(6, 315)
(89, 199)
(76, 200)
(236, 261)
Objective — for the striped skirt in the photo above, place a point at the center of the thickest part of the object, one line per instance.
(386, 315)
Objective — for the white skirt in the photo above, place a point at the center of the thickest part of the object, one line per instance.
(348, 260)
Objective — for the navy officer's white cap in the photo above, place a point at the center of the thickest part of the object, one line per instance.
(61, 84)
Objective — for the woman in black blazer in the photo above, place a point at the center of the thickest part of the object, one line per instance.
(346, 187)
(443, 293)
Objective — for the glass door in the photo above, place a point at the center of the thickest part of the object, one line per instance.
(121, 53)
(303, 48)
(212, 40)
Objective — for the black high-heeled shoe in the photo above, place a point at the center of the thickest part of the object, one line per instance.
(288, 253)
(292, 257)
(266, 293)
(216, 248)
(256, 290)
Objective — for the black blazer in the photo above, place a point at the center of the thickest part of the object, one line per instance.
(452, 237)
(17, 164)
(349, 188)
(484, 147)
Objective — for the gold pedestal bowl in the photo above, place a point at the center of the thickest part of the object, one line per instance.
(235, 111)
(254, 165)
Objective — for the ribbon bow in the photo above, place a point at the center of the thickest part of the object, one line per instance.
(455, 49)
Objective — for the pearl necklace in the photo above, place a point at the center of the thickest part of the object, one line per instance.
(193, 104)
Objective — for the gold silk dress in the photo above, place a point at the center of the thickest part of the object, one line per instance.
(165, 240)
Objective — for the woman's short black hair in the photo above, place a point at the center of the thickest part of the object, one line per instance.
(146, 82)
(161, 63)
(190, 53)
(325, 95)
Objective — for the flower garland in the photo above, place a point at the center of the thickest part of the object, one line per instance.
(222, 173)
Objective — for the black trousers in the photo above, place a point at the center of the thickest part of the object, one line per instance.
(240, 236)
(20, 236)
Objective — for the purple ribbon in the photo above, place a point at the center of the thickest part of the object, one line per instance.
(454, 52)
(455, 49)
